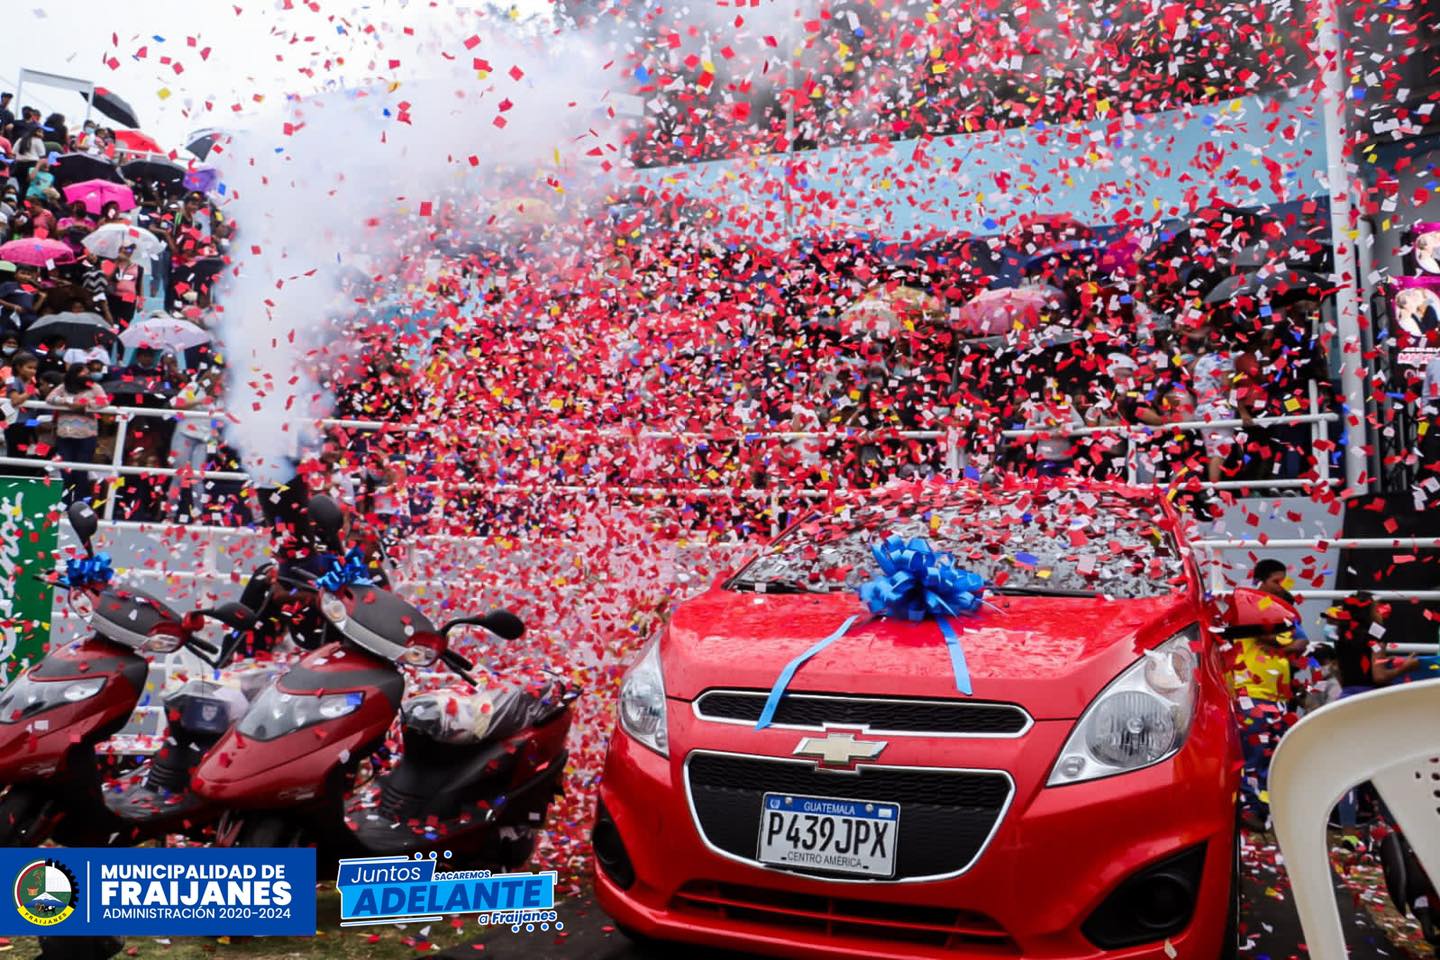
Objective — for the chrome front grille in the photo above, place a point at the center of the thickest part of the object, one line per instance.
(879, 715)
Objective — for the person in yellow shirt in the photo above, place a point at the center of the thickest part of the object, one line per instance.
(1262, 639)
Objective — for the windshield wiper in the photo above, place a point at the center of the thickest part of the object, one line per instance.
(771, 586)
(1045, 591)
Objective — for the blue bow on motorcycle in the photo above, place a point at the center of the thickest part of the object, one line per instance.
(915, 583)
(343, 573)
(94, 571)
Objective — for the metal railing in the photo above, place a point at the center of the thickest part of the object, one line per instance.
(1140, 433)
(954, 455)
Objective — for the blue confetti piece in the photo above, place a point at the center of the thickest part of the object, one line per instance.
(972, 473)
(990, 224)
(1027, 559)
(642, 75)
(157, 38)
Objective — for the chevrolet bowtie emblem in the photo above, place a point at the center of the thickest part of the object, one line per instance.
(839, 749)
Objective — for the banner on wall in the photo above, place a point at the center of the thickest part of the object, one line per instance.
(29, 530)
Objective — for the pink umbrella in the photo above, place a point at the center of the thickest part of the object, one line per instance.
(1001, 310)
(37, 253)
(97, 193)
(883, 313)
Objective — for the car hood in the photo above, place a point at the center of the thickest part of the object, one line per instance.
(1051, 655)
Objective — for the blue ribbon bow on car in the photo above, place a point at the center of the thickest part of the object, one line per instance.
(915, 583)
(94, 571)
(343, 573)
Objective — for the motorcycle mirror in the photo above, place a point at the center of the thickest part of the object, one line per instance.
(84, 522)
(234, 615)
(326, 516)
(502, 623)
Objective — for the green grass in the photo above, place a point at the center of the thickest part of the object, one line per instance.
(329, 943)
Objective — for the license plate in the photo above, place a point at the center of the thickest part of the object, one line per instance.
(826, 833)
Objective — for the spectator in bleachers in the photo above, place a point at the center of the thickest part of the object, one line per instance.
(77, 427)
(22, 387)
(192, 439)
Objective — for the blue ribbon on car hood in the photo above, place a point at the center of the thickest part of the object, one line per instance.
(916, 583)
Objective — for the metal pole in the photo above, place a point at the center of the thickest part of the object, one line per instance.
(1347, 268)
(1317, 433)
(117, 460)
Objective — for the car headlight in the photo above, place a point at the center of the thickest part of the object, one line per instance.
(1140, 719)
(642, 701)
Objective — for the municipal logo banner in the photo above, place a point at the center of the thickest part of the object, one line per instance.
(193, 891)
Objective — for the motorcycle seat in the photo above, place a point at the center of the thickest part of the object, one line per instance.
(482, 716)
(516, 709)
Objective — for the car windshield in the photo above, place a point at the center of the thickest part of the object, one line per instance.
(1088, 542)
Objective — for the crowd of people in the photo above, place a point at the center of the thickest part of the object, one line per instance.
(98, 266)
(653, 353)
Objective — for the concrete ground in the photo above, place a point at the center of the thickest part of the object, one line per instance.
(1269, 923)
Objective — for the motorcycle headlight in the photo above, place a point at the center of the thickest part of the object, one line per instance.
(82, 689)
(162, 643)
(81, 604)
(339, 704)
(642, 701)
(24, 697)
(334, 609)
(1140, 719)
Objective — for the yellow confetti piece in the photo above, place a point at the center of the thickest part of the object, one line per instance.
(163, 93)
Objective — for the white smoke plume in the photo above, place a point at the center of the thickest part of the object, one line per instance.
(343, 180)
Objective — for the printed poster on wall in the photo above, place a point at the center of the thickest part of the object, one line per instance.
(29, 530)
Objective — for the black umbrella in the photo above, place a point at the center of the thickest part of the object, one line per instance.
(203, 143)
(1277, 287)
(125, 387)
(154, 171)
(113, 107)
(80, 330)
(79, 167)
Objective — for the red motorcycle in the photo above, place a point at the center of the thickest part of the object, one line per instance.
(53, 716)
(477, 773)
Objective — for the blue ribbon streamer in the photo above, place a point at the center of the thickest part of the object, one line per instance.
(781, 682)
(915, 583)
(93, 571)
(352, 570)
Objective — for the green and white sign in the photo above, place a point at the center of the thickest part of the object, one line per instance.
(29, 531)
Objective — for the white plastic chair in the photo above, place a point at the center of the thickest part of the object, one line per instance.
(1390, 737)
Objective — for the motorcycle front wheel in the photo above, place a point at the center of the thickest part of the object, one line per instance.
(25, 819)
(271, 832)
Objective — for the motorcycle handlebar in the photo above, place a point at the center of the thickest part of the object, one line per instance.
(459, 664)
(204, 646)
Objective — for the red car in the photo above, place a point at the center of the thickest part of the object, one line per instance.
(1081, 802)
